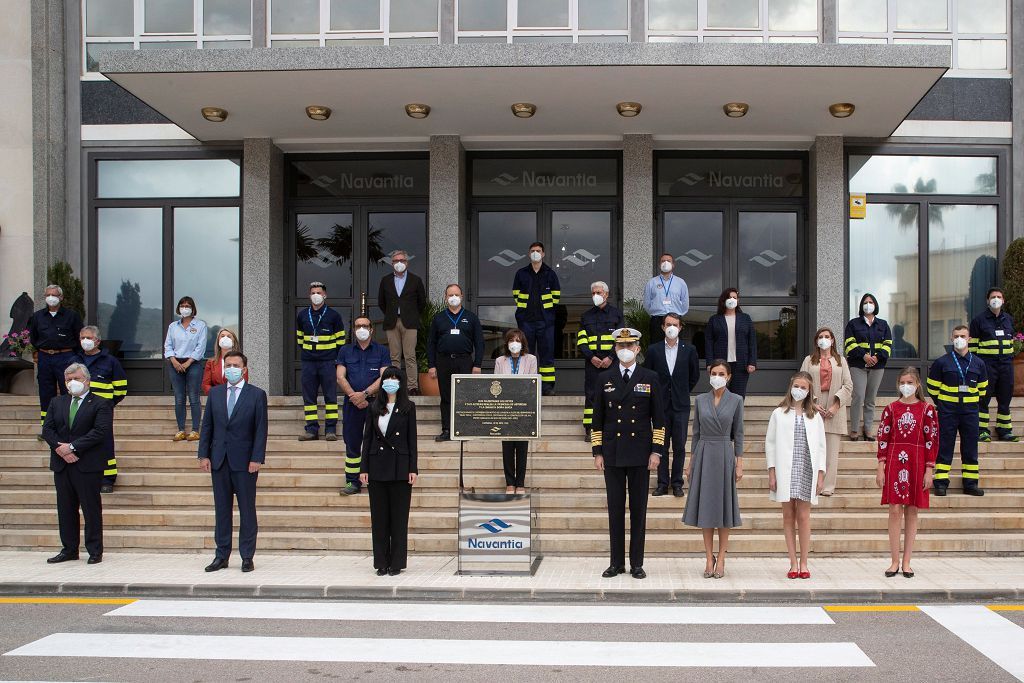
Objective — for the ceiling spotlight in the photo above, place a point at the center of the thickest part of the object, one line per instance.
(629, 109)
(318, 112)
(214, 114)
(417, 111)
(841, 110)
(524, 110)
(735, 110)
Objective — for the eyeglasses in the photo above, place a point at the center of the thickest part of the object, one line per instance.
(399, 260)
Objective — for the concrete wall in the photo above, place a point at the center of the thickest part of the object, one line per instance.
(16, 151)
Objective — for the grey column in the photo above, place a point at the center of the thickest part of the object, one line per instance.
(828, 235)
(829, 22)
(1017, 155)
(260, 22)
(49, 143)
(637, 214)
(637, 21)
(446, 231)
(446, 22)
(263, 287)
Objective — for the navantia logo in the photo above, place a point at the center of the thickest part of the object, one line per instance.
(495, 526)
(768, 258)
(690, 179)
(694, 258)
(504, 179)
(581, 257)
(507, 257)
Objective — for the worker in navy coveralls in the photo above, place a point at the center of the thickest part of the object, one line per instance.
(536, 291)
(53, 333)
(319, 332)
(992, 341)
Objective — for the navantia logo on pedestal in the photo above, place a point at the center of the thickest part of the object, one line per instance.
(535, 180)
(494, 526)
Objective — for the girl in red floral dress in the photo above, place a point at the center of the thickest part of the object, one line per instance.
(908, 441)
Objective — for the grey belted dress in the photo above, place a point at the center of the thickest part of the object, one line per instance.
(712, 501)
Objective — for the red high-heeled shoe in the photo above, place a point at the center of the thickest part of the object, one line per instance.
(805, 575)
(793, 575)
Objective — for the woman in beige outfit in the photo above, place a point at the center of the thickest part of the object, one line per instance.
(833, 390)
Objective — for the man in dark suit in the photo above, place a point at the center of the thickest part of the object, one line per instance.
(77, 428)
(676, 365)
(233, 446)
(628, 439)
(402, 298)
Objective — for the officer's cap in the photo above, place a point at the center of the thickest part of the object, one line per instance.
(626, 335)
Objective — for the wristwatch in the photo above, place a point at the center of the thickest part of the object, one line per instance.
(72, 447)
(366, 395)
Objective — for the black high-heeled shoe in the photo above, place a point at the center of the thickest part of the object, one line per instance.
(382, 571)
(889, 574)
(908, 575)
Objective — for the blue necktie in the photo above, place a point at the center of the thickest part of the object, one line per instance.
(232, 397)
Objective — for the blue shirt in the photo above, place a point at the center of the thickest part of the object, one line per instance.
(186, 342)
(363, 366)
(659, 289)
(400, 283)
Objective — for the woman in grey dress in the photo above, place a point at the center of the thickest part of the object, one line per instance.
(715, 467)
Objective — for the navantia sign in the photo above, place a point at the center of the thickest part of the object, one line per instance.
(361, 178)
(699, 177)
(545, 177)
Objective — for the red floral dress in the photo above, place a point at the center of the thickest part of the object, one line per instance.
(908, 441)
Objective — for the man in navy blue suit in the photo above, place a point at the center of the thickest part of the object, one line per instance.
(233, 446)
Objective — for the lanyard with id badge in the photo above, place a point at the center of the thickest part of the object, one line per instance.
(667, 300)
(455, 321)
(315, 339)
(964, 388)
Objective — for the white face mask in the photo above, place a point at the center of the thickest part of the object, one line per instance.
(226, 343)
(536, 256)
(672, 332)
(76, 388)
(399, 267)
(317, 299)
(908, 390)
(88, 344)
(868, 309)
(824, 343)
(666, 266)
(959, 343)
(995, 303)
(362, 334)
(185, 311)
(52, 301)
(627, 356)
(454, 300)
(732, 303)
(515, 347)
(718, 382)
(597, 299)
(798, 393)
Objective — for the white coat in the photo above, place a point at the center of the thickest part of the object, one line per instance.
(778, 449)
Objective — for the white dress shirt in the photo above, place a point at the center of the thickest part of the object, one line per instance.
(623, 368)
(671, 352)
(384, 420)
(238, 394)
(730, 324)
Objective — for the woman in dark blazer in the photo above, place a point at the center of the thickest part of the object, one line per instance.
(389, 469)
(730, 335)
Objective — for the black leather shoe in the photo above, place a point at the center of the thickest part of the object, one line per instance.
(940, 490)
(62, 556)
(382, 571)
(394, 572)
(443, 436)
(218, 563)
(660, 491)
(677, 491)
(638, 573)
(309, 437)
(613, 571)
(974, 491)
(95, 559)
(247, 566)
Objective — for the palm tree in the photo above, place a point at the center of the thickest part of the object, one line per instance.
(906, 214)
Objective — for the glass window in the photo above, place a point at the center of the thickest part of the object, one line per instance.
(414, 15)
(672, 15)
(168, 178)
(355, 15)
(961, 265)
(352, 42)
(390, 231)
(495, 321)
(777, 329)
(767, 253)
(981, 54)
(295, 43)
(543, 13)
(226, 44)
(323, 253)
(295, 16)
(981, 16)
(869, 16)
(695, 238)
(792, 15)
(694, 323)
(922, 15)
(581, 249)
(483, 39)
(734, 14)
(93, 51)
(892, 174)
(110, 18)
(168, 45)
(604, 39)
(206, 264)
(169, 16)
(884, 261)
(227, 17)
(603, 14)
(129, 292)
(413, 41)
(483, 15)
(542, 39)
(502, 241)
(733, 39)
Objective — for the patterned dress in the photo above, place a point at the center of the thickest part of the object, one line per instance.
(802, 475)
(908, 441)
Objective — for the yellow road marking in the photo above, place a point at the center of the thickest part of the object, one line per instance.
(871, 608)
(1006, 608)
(66, 601)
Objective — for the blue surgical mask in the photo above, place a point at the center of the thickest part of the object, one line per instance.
(233, 374)
(390, 386)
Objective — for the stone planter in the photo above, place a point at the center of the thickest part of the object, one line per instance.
(428, 385)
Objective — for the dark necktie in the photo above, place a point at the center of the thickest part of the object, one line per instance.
(625, 376)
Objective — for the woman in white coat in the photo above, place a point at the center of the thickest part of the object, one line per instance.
(795, 453)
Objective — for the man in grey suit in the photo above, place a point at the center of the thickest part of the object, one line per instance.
(232, 447)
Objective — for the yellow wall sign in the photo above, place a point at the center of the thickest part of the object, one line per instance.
(858, 206)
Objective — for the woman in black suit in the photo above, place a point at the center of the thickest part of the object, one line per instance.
(389, 470)
(730, 335)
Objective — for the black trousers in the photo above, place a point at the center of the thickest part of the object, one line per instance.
(677, 422)
(513, 456)
(389, 522)
(617, 480)
(448, 365)
(738, 383)
(75, 489)
(228, 485)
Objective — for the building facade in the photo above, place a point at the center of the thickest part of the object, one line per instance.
(234, 150)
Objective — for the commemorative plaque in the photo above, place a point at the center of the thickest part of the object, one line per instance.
(495, 407)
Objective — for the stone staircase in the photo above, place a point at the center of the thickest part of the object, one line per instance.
(163, 502)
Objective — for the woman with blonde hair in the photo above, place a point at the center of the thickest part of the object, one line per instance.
(832, 388)
(795, 454)
(517, 360)
(213, 373)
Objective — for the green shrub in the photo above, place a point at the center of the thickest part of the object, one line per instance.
(1013, 280)
(61, 273)
(639, 319)
(432, 309)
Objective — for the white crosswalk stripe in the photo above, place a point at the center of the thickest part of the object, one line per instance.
(997, 638)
